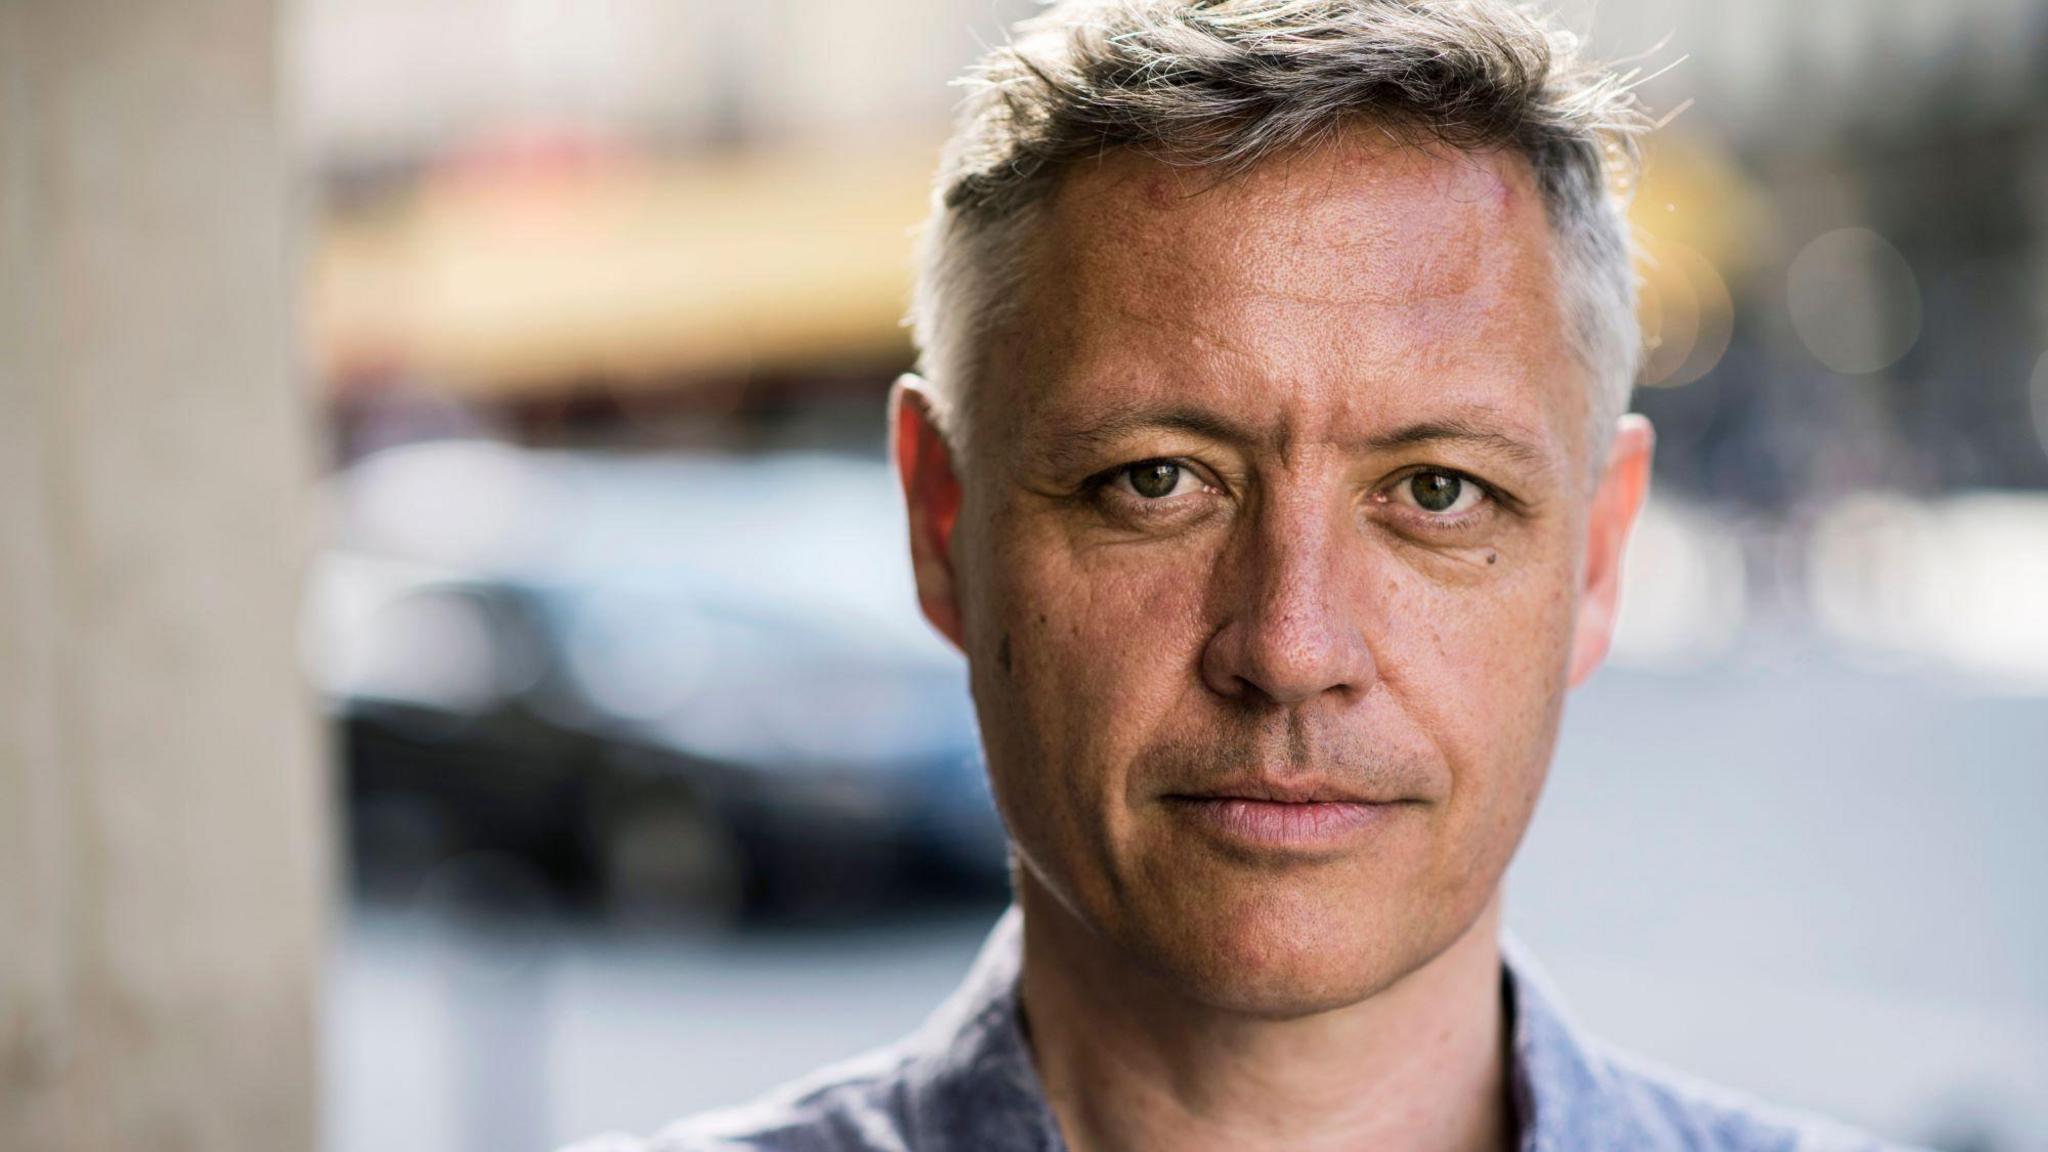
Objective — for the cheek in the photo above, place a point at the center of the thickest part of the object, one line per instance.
(1079, 656)
(1086, 656)
(1482, 669)
(1501, 652)
(1093, 644)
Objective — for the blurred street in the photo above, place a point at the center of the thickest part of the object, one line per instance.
(1825, 892)
(450, 574)
(659, 792)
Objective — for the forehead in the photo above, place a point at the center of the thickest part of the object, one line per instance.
(1366, 276)
(1402, 222)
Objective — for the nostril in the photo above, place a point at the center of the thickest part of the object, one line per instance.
(1289, 660)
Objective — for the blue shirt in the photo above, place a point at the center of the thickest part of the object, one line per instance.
(964, 1082)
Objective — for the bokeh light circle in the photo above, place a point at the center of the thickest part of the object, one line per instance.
(1686, 312)
(1854, 301)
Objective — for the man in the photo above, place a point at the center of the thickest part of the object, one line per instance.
(1269, 465)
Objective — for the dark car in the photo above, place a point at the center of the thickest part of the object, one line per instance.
(677, 682)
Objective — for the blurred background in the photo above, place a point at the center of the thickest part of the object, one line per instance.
(649, 787)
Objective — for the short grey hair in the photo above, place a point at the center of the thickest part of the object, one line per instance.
(1224, 83)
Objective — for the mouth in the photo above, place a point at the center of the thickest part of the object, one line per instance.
(1264, 816)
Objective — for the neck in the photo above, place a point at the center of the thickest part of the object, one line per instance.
(1128, 1063)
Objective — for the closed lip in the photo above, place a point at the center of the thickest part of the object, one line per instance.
(1273, 790)
(1261, 817)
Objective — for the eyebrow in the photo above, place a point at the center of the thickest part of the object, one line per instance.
(1460, 430)
(1469, 430)
(1128, 421)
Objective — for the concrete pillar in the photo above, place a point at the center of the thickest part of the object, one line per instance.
(163, 838)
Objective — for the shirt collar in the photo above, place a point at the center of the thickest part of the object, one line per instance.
(1558, 1083)
(970, 1072)
(974, 1086)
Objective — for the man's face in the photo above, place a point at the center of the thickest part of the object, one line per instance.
(1269, 559)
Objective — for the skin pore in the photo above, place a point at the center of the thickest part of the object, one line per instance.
(1273, 565)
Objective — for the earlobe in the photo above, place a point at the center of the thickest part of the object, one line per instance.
(931, 498)
(1624, 484)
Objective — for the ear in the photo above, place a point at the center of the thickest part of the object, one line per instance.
(1624, 482)
(931, 496)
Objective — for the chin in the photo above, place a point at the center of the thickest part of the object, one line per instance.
(1283, 947)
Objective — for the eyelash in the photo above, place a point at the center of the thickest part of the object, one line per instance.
(1098, 487)
(1494, 499)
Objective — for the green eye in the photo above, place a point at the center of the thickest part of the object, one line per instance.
(1435, 491)
(1154, 479)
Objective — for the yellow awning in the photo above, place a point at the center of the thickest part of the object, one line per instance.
(628, 270)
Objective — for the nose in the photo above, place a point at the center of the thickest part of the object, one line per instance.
(1292, 621)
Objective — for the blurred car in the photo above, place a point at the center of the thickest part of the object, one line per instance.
(693, 683)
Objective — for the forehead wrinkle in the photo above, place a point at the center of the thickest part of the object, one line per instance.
(1324, 199)
(1188, 322)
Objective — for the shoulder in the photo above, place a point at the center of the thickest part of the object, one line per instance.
(1582, 1094)
(962, 1080)
(1671, 1110)
(855, 1106)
